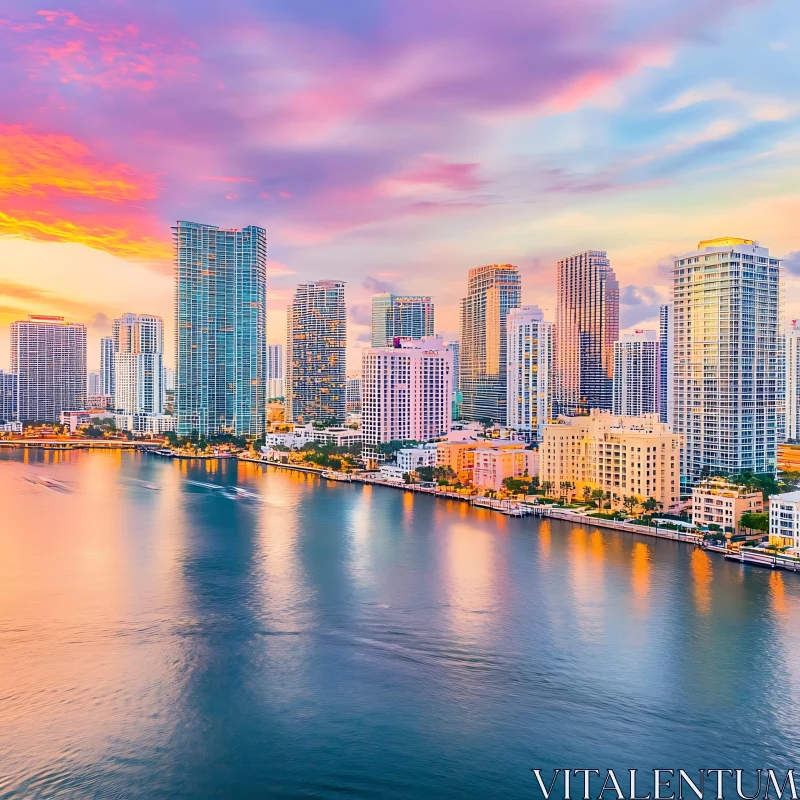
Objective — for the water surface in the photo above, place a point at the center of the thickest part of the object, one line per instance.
(333, 640)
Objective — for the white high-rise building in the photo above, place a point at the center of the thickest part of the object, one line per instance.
(406, 392)
(8, 397)
(93, 383)
(666, 401)
(48, 356)
(637, 374)
(353, 395)
(139, 364)
(530, 370)
(726, 301)
(793, 382)
(107, 366)
(275, 362)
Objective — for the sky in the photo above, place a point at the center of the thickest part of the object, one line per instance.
(393, 145)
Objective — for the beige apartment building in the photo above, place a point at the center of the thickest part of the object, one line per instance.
(621, 455)
(716, 501)
(494, 464)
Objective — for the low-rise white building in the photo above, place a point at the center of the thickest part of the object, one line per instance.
(391, 472)
(11, 427)
(784, 519)
(301, 435)
(494, 464)
(409, 458)
(718, 502)
(76, 418)
(146, 423)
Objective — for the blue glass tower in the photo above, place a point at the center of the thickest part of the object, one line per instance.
(220, 329)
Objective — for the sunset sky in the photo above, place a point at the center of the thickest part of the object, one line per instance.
(389, 144)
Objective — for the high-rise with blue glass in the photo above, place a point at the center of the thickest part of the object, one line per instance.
(220, 329)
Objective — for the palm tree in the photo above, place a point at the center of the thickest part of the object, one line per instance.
(587, 493)
(598, 495)
(651, 504)
(546, 487)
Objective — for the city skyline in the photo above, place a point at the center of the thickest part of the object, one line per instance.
(655, 137)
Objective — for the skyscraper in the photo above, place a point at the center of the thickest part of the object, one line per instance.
(587, 325)
(400, 316)
(48, 356)
(491, 292)
(8, 397)
(405, 392)
(107, 366)
(93, 383)
(220, 309)
(725, 378)
(316, 340)
(530, 370)
(665, 357)
(139, 364)
(792, 372)
(637, 374)
(454, 348)
(275, 362)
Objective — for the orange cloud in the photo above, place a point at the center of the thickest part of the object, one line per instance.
(40, 163)
(41, 173)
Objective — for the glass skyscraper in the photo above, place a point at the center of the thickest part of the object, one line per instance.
(587, 325)
(316, 342)
(221, 342)
(665, 362)
(400, 316)
(491, 292)
(107, 366)
(726, 301)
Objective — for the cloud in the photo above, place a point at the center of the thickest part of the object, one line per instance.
(32, 300)
(638, 303)
(791, 262)
(375, 285)
(360, 314)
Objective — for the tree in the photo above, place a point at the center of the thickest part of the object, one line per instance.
(587, 493)
(444, 473)
(755, 521)
(546, 487)
(650, 504)
(425, 474)
(597, 496)
(630, 502)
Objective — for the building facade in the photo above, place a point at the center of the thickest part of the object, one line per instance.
(717, 501)
(725, 299)
(784, 519)
(492, 291)
(587, 325)
(530, 371)
(107, 366)
(623, 456)
(48, 356)
(397, 316)
(353, 395)
(93, 383)
(405, 392)
(665, 363)
(315, 383)
(637, 374)
(455, 349)
(9, 411)
(494, 464)
(220, 310)
(792, 373)
(275, 364)
(139, 364)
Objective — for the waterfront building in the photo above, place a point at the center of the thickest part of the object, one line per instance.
(530, 369)
(637, 374)
(623, 456)
(587, 325)
(138, 364)
(494, 464)
(353, 395)
(99, 401)
(220, 307)
(405, 392)
(275, 365)
(300, 435)
(48, 356)
(93, 383)
(454, 348)
(492, 291)
(792, 375)
(9, 411)
(106, 366)
(152, 424)
(665, 363)
(784, 519)
(717, 501)
(76, 418)
(409, 458)
(400, 317)
(316, 376)
(11, 427)
(725, 377)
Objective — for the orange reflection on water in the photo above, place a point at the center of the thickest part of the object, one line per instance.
(545, 539)
(640, 563)
(586, 559)
(777, 593)
(701, 575)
